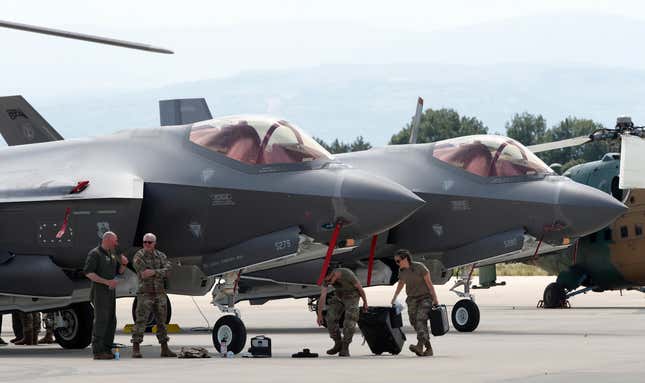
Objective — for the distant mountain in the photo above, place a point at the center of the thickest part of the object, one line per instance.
(375, 101)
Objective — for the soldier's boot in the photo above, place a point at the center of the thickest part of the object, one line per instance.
(48, 338)
(27, 338)
(428, 351)
(14, 340)
(136, 351)
(166, 352)
(34, 337)
(336, 349)
(344, 349)
(417, 348)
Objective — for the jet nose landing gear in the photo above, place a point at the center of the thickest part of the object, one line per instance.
(229, 329)
(465, 313)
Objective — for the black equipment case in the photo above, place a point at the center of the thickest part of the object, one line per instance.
(260, 347)
(439, 324)
(381, 327)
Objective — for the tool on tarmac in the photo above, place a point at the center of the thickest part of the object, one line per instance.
(305, 353)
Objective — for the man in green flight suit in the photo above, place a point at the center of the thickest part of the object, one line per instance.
(151, 266)
(344, 300)
(101, 267)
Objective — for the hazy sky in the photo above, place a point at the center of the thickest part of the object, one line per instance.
(214, 39)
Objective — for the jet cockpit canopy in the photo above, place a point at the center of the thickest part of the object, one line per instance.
(490, 156)
(257, 140)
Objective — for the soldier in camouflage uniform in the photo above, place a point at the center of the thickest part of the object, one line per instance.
(343, 300)
(30, 323)
(421, 296)
(151, 266)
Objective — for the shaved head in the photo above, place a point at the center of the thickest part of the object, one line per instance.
(110, 240)
(109, 235)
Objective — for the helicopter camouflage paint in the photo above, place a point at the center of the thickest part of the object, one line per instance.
(610, 259)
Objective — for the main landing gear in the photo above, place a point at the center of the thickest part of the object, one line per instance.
(556, 296)
(73, 326)
(228, 329)
(465, 313)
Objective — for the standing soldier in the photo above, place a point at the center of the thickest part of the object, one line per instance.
(421, 296)
(102, 267)
(344, 299)
(151, 266)
(30, 329)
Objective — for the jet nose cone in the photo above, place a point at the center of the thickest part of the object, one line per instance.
(373, 204)
(587, 210)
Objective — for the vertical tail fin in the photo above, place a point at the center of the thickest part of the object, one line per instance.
(414, 132)
(20, 124)
(183, 111)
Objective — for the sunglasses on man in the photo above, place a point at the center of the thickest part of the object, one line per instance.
(148, 242)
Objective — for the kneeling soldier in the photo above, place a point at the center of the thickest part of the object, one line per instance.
(151, 266)
(347, 290)
(421, 296)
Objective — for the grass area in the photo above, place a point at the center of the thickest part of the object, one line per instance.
(519, 269)
(516, 270)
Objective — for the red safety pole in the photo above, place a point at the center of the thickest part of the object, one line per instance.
(330, 251)
(370, 263)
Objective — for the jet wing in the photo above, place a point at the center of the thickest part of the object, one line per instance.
(20, 124)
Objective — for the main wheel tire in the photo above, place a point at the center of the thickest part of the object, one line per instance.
(554, 296)
(232, 329)
(77, 333)
(465, 316)
(152, 320)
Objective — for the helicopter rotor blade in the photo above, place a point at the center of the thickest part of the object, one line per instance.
(576, 141)
(82, 36)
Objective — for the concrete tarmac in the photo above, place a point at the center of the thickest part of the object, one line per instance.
(599, 340)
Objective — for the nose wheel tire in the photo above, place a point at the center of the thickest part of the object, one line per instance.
(152, 320)
(76, 332)
(231, 329)
(465, 315)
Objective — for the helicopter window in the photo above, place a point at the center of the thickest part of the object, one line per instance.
(607, 234)
(638, 229)
(490, 156)
(624, 232)
(257, 141)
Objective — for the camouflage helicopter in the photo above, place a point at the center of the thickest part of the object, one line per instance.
(614, 257)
